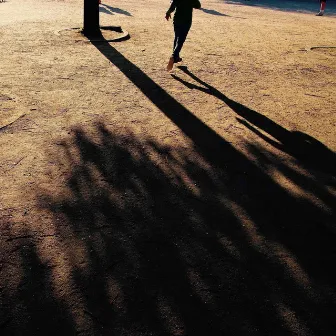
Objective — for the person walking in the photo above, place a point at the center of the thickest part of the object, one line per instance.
(182, 23)
(322, 7)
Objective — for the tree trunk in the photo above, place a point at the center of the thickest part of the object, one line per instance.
(91, 18)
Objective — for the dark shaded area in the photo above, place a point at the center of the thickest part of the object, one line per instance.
(288, 5)
(212, 12)
(305, 148)
(104, 10)
(194, 247)
(186, 241)
(31, 308)
(113, 10)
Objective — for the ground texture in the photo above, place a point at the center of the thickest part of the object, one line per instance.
(140, 202)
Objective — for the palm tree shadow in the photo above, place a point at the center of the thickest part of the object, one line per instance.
(303, 147)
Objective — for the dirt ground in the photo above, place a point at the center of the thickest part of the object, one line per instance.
(139, 202)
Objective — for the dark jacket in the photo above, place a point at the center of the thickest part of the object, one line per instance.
(184, 10)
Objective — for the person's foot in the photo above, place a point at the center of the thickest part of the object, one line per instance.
(178, 60)
(170, 64)
(320, 13)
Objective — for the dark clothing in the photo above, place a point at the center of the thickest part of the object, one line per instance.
(182, 22)
(184, 10)
(181, 32)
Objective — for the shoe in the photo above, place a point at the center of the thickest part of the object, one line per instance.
(320, 13)
(178, 60)
(170, 64)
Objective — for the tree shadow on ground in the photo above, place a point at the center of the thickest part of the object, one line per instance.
(169, 240)
(212, 12)
(28, 304)
(177, 245)
(113, 10)
(286, 5)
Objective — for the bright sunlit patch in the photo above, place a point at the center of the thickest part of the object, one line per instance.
(291, 320)
(296, 191)
(291, 266)
(168, 314)
(248, 226)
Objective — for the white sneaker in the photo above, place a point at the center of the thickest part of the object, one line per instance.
(320, 13)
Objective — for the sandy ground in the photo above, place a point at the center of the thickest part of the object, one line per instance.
(138, 202)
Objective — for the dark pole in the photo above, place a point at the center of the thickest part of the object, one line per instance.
(91, 18)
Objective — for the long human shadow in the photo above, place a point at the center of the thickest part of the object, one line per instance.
(302, 146)
(211, 144)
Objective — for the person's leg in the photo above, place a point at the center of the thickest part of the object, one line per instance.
(177, 31)
(322, 7)
(181, 32)
(175, 38)
(171, 59)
